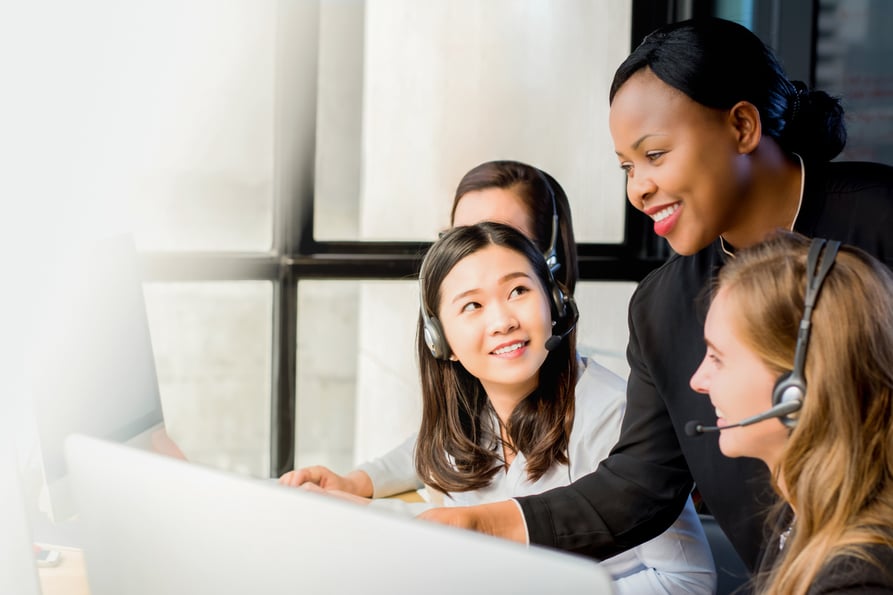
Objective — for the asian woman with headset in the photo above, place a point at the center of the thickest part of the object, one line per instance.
(509, 192)
(508, 406)
(576, 438)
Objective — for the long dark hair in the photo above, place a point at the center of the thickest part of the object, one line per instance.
(533, 186)
(718, 63)
(458, 447)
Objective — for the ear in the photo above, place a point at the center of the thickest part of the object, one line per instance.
(744, 117)
(453, 357)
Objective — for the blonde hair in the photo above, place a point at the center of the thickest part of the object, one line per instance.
(837, 466)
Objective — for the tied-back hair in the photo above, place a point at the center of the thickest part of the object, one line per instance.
(459, 447)
(836, 470)
(718, 63)
(530, 184)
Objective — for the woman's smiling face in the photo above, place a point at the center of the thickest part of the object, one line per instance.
(739, 385)
(496, 318)
(682, 161)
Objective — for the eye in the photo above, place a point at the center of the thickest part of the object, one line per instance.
(654, 155)
(470, 307)
(627, 167)
(714, 359)
(519, 291)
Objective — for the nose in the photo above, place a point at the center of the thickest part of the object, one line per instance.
(639, 188)
(700, 380)
(502, 320)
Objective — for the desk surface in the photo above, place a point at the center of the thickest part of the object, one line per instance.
(69, 577)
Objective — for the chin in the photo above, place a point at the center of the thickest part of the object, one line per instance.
(729, 448)
(687, 247)
(682, 250)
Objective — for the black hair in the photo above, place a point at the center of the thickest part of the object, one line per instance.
(455, 447)
(718, 63)
(537, 189)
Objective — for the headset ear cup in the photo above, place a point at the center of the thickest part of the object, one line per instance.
(559, 299)
(431, 329)
(788, 388)
(559, 303)
(791, 387)
(435, 339)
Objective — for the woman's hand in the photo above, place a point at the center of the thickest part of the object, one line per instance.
(356, 483)
(312, 487)
(501, 519)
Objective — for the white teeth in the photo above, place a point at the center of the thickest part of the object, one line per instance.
(661, 215)
(509, 348)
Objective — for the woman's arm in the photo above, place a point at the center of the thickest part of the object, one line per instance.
(634, 495)
(501, 519)
(622, 504)
(392, 473)
(639, 490)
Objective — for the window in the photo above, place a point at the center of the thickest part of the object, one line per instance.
(853, 61)
(284, 165)
(409, 94)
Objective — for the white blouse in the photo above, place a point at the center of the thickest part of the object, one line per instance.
(677, 561)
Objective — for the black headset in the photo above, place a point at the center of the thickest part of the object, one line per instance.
(564, 305)
(791, 387)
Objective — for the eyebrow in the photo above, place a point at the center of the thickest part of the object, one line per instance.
(501, 280)
(639, 141)
(712, 346)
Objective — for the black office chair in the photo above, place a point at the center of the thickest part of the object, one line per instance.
(731, 573)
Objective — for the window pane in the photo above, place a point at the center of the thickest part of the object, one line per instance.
(180, 120)
(357, 391)
(602, 332)
(212, 344)
(357, 379)
(853, 61)
(413, 94)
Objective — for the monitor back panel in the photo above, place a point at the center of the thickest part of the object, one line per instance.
(95, 371)
(158, 525)
(17, 571)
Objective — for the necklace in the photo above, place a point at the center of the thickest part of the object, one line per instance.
(722, 242)
(785, 535)
(802, 188)
(722, 245)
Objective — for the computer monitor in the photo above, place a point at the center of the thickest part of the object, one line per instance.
(154, 524)
(93, 370)
(17, 571)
